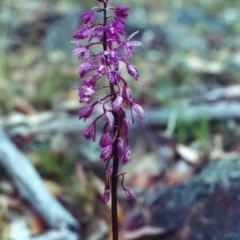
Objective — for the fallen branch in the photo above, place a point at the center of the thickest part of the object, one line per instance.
(195, 112)
(145, 231)
(32, 189)
(55, 235)
(50, 122)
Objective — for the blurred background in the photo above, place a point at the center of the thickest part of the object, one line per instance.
(189, 88)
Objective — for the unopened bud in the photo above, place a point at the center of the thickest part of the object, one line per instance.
(130, 194)
(106, 195)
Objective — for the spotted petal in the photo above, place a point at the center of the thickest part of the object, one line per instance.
(87, 67)
(132, 35)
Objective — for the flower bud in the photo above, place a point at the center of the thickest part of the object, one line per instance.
(105, 140)
(127, 93)
(106, 153)
(121, 12)
(138, 111)
(106, 195)
(90, 132)
(120, 146)
(110, 171)
(88, 16)
(133, 71)
(130, 194)
(126, 157)
(117, 103)
(126, 126)
(85, 112)
(109, 118)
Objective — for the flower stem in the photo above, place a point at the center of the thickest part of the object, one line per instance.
(114, 200)
(114, 178)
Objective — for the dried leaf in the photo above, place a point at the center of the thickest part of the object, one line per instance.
(144, 231)
(36, 224)
(188, 154)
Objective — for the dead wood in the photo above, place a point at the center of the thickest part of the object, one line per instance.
(32, 189)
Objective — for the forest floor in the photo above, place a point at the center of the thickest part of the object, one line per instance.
(189, 88)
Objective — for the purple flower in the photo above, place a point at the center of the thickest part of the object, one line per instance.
(129, 46)
(81, 50)
(85, 93)
(98, 33)
(107, 36)
(126, 126)
(106, 153)
(133, 71)
(106, 195)
(109, 118)
(126, 157)
(130, 194)
(90, 132)
(113, 30)
(138, 111)
(127, 94)
(110, 171)
(121, 12)
(87, 67)
(116, 76)
(83, 32)
(118, 26)
(120, 146)
(105, 69)
(117, 103)
(105, 140)
(91, 81)
(85, 112)
(88, 16)
(109, 75)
